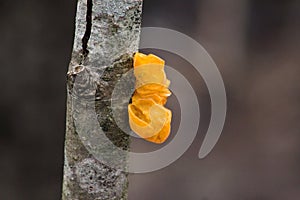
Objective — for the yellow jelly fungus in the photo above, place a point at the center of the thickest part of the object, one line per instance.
(147, 115)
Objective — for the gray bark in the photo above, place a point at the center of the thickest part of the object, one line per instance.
(106, 36)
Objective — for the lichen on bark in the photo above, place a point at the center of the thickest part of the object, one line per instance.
(106, 36)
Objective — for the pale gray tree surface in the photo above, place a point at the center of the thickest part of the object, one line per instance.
(106, 36)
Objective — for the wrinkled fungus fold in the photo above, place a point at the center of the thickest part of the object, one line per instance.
(148, 116)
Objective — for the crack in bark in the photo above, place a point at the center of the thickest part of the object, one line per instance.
(88, 28)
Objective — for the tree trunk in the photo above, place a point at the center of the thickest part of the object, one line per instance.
(106, 36)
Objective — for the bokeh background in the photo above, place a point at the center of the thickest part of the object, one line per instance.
(256, 47)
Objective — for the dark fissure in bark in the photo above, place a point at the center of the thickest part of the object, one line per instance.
(88, 28)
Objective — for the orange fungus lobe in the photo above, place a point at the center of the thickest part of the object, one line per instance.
(148, 117)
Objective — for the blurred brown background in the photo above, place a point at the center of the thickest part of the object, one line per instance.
(256, 47)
